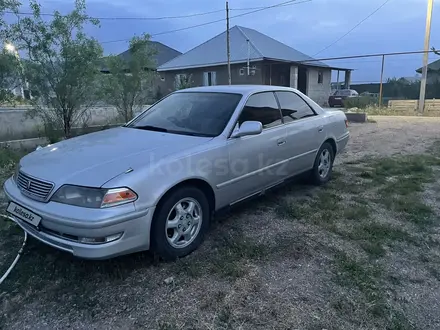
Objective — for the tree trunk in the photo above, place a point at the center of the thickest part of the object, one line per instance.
(67, 129)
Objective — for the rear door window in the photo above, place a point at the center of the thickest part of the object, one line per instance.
(293, 107)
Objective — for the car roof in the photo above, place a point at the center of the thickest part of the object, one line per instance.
(238, 89)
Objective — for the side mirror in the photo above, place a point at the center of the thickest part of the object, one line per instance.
(248, 128)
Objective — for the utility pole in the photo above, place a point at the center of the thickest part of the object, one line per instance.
(381, 82)
(425, 57)
(227, 44)
(248, 57)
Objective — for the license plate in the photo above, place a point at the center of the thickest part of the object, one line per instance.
(337, 98)
(23, 214)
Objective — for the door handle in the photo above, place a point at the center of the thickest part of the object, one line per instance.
(320, 129)
(280, 143)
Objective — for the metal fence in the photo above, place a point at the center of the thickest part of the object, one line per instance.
(387, 76)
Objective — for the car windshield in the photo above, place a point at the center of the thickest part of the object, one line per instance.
(190, 113)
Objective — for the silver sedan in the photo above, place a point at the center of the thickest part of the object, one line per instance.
(155, 182)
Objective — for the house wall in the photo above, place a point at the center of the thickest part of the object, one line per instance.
(167, 78)
(281, 75)
(433, 77)
(318, 92)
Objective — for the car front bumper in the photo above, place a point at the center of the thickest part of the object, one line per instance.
(62, 225)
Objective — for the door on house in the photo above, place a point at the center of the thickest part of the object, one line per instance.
(209, 78)
(302, 79)
(285, 77)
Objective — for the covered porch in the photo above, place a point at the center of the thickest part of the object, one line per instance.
(302, 76)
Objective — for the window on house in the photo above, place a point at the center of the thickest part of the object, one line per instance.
(241, 71)
(320, 77)
(293, 107)
(261, 107)
(209, 78)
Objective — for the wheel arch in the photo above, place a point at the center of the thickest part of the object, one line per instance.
(199, 183)
(332, 142)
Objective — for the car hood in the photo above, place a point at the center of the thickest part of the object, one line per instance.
(93, 159)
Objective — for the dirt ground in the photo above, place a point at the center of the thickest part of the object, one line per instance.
(390, 136)
(362, 252)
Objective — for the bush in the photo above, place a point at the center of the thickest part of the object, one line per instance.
(51, 132)
(360, 102)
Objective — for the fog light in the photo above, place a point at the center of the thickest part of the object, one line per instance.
(99, 240)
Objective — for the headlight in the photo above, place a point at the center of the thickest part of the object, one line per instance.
(93, 197)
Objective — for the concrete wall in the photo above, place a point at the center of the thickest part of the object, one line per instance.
(318, 92)
(168, 77)
(15, 123)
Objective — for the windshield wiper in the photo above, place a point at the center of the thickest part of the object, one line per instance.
(191, 133)
(150, 128)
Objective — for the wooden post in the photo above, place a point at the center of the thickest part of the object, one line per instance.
(381, 82)
(228, 44)
(425, 57)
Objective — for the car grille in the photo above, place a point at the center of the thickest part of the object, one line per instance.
(33, 188)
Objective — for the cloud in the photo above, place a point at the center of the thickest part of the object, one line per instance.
(308, 27)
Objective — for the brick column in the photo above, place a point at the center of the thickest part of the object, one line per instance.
(293, 76)
(347, 82)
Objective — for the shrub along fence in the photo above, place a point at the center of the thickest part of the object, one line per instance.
(15, 123)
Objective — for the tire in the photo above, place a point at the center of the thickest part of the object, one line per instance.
(331, 105)
(183, 223)
(317, 174)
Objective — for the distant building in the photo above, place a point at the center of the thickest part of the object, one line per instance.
(433, 72)
(163, 55)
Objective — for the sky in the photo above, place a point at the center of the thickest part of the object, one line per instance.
(308, 26)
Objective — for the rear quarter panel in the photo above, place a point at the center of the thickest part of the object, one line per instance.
(336, 129)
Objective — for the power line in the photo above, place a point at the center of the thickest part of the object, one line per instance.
(354, 27)
(393, 60)
(290, 2)
(130, 18)
(287, 3)
(367, 55)
(263, 7)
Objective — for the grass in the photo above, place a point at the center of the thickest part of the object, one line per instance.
(399, 181)
(8, 158)
(364, 277)
(373, 186)
(233, 253)
(357, 212)
(374, 249)
(367, 278)
(350, 229)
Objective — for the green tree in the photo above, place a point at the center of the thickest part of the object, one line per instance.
(183, 81)
(61, 66)
(10, 73)
(128, 85)
(10, 76)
